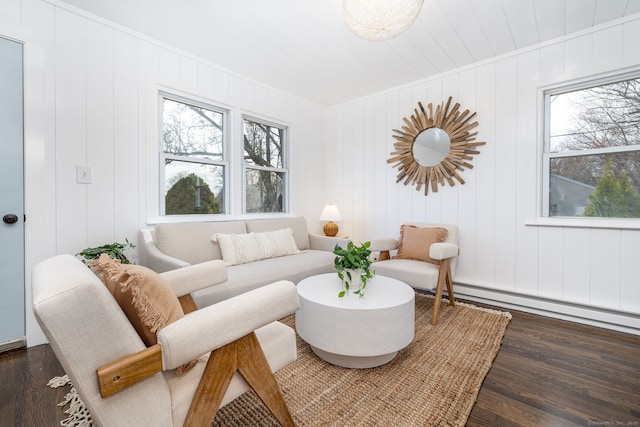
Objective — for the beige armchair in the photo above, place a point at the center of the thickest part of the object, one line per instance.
(123, 382)
(428, 276)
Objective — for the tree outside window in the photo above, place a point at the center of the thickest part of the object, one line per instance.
(592, 154)
(264, 166)
(192, 160)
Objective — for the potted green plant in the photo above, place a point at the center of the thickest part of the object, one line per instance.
(114, 250)
(352, 265)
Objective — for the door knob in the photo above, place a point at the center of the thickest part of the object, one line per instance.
(10, 219)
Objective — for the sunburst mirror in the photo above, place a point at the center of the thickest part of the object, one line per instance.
(433, 145)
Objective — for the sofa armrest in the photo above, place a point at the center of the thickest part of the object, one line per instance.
(443, 250)
(152, 257)
(219, 324)
(326, 243)
(192, 278)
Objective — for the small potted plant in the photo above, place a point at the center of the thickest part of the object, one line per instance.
(114, 250)
(352, 265)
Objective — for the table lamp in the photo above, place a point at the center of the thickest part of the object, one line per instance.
(330, 213)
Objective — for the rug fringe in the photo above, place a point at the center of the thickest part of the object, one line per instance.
(56, 382)
(475, 307)
(78, 414)
(488, 310)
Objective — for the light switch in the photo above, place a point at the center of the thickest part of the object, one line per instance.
(83, 174)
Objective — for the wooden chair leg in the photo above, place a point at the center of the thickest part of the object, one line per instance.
(244, 355)
(444, 276)
(449, 282)
(213, 386)
(255, 369)
(187, 303)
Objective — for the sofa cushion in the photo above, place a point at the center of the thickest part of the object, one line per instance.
(191, 241)
(415, 242)
(245, 277)
(249, 247)
(298, 224)
(417, 274)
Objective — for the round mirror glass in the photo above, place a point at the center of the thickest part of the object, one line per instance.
(431, 146)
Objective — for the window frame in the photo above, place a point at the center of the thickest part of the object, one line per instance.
(163, 156)
(286, 146)
(545, 155)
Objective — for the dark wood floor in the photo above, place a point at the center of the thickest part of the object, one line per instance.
(547, 373)
(554, 373)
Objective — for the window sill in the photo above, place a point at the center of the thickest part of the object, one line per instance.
(619, 224)
(215, 217)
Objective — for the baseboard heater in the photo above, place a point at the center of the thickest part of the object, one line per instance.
(618, 320)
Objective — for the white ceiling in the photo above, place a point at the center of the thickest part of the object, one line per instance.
(303, 46)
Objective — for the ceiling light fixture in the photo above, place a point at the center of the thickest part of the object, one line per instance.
(379, 20)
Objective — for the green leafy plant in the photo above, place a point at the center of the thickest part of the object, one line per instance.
(114, 250)
(353, 258)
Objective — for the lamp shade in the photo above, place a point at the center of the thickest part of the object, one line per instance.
(330, 213)
(379, 20)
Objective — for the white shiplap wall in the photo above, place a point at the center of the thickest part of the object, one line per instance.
(91, 99)
(590, 274)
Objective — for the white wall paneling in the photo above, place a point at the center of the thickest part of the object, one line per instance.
(100, 134)
(70, 129)
(126, 145)
(506, 174)
(526, 269)
(486, 172)
(629, 271)
(576, 274)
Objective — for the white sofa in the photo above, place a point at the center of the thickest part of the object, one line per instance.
(174, 245)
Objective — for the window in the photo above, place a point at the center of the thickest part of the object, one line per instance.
(591, 157)
(193, 165)
(265, 173)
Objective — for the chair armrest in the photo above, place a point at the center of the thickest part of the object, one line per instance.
(125, 372)
(192, 278)
(219, 324)
(383, 244)
(443, 250)
(155, 259)
(326, 243)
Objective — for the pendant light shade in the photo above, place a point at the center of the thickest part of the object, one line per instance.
(378, 20)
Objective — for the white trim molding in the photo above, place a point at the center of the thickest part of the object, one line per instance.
(617, 320)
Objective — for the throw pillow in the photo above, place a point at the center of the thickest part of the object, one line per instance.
(248, 247)
(415, 242)
(143, 295)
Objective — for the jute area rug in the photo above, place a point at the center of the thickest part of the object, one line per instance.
(432, 382)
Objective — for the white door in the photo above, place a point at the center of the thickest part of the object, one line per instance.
(12, 316)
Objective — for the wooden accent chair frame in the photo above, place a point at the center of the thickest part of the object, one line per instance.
(136, 385)
(419, 274)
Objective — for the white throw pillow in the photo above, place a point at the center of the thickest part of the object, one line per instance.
(249, 247)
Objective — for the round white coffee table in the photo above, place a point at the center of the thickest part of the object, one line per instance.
(355, 332)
